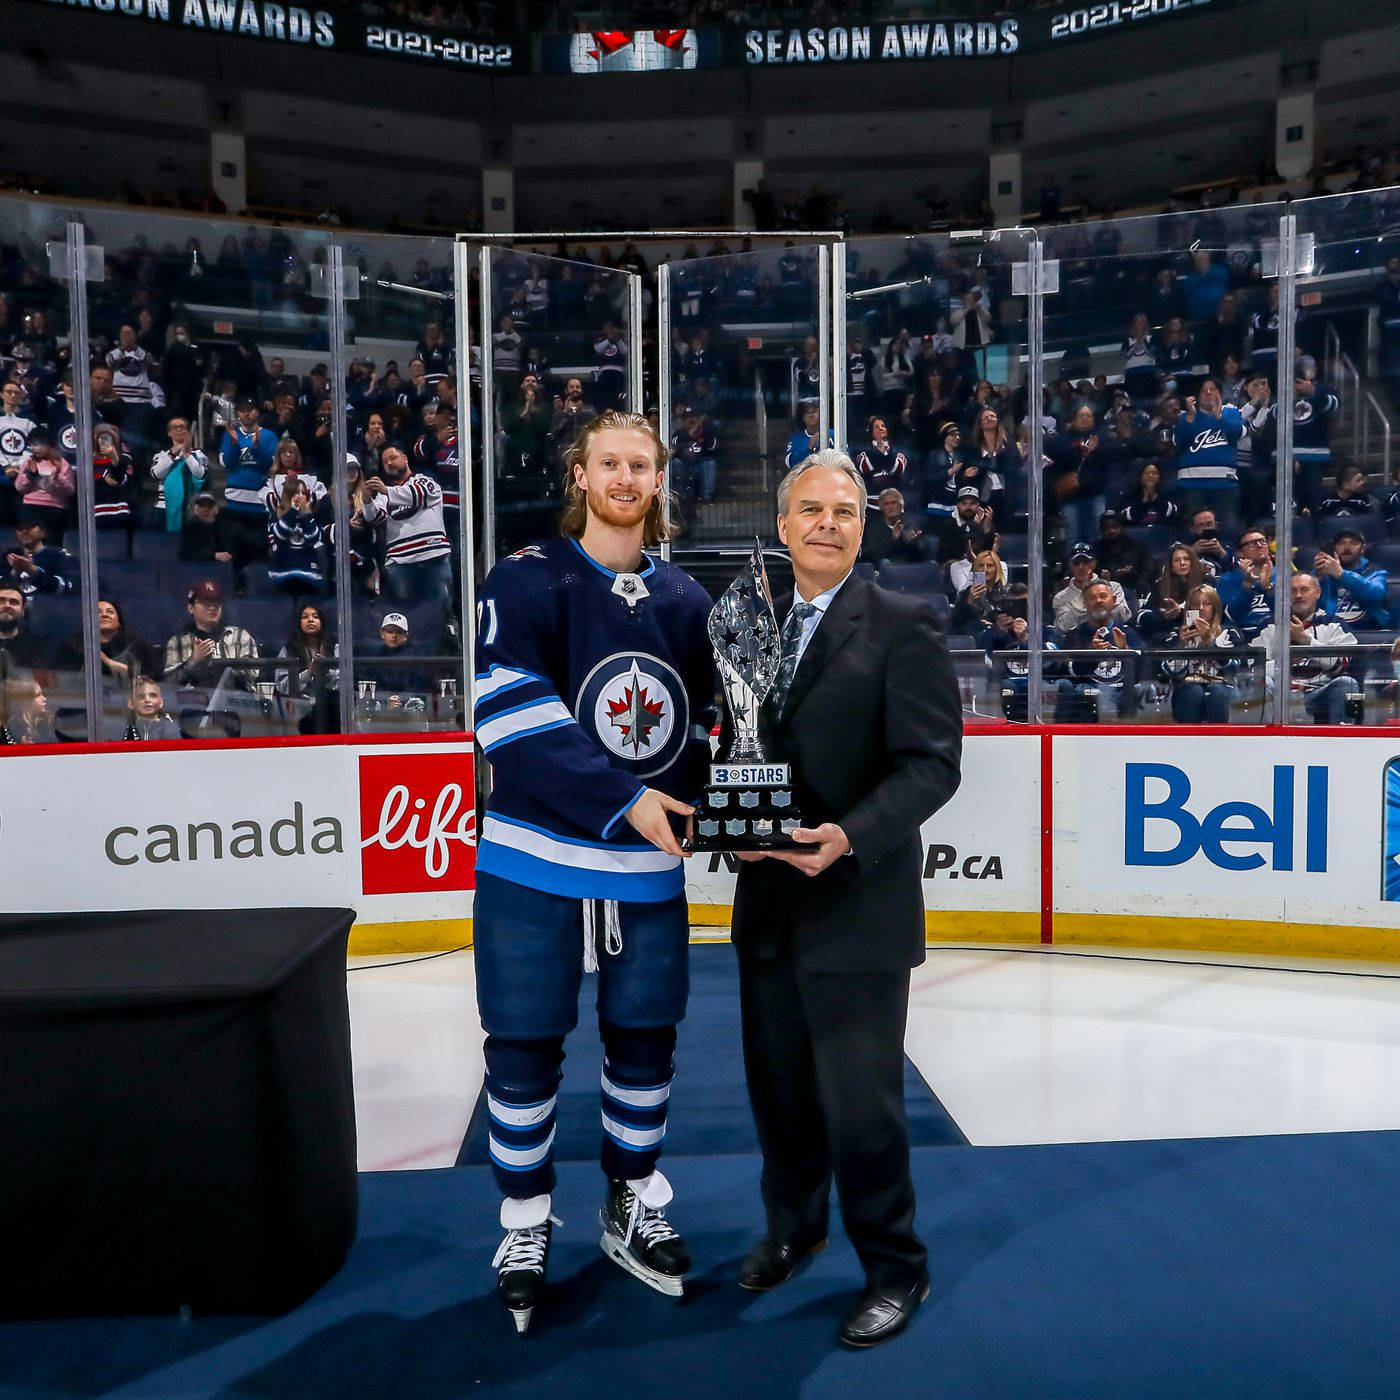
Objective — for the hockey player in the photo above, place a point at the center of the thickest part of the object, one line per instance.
(594, 703)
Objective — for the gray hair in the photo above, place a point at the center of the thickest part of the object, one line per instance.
(828, 457)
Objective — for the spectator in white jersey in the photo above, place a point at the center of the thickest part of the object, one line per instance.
(1320, 681)
(610, 357)
(180, 469)
(16, 428)
(416, 563)
(132, 367)
(287, 465)
(505, 358)
(1140, 376)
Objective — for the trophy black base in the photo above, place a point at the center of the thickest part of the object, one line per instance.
(746, 808)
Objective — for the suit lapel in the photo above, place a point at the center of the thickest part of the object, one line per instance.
(833, 632)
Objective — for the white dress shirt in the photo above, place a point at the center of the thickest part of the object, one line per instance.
(810, 624)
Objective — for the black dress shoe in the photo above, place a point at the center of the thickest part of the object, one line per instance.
(773, 1261)
(881, 1313)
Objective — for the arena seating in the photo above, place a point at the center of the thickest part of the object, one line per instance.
(190, 324)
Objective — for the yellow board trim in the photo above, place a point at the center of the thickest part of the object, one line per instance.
(980, 926)
(940, 925)
(1230, 936)
(444, 935)
(411, 936)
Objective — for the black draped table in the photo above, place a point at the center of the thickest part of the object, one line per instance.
(178, 1119)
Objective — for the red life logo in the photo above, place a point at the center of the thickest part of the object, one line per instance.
(417, 823)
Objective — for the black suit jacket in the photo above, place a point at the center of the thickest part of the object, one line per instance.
(873, 728)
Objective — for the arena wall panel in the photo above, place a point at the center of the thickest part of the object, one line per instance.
(1227, 841)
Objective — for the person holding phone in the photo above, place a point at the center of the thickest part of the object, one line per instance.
(1097, 682)
(1201, 689)
(1353, 588)
(980, 581)
(1216, 556)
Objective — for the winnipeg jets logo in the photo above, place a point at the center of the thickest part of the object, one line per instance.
(13, 442)
(636, 714)
(635, 706)
(1206, 439)
(531, 551)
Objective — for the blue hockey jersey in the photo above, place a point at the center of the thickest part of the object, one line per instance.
(1206, 448)
(247, 458)
(590, 687)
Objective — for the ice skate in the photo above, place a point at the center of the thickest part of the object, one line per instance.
(521, 1259)
(637, 1235)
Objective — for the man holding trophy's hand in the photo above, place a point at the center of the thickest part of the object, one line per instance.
(864, 715)
(594, 702)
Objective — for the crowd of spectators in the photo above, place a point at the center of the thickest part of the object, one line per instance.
(1158, 475)
(214, 494)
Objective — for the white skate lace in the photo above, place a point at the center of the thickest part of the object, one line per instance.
(651, 1225)
(524, 1249)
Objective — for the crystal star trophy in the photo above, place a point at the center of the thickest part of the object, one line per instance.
(748, 802)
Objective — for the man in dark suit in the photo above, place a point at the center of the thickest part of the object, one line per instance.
(866, 709)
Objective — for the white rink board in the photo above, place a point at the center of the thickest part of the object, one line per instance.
(87, 831)
(111, 830)
(981, 852)
(1126, 805)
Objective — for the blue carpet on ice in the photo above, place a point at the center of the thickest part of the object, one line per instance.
(1116, 1271)
(709, 1111)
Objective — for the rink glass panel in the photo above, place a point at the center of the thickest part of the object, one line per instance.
(558, 350)
(42, 681)
(1180, 272)
(400, 358)
(746, 356)
(241, 296)
(934, 344)
(1348, 327)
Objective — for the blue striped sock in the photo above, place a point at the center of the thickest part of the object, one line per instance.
(634, 1120)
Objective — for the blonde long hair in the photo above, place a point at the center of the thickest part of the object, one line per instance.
(1206, 594)
(575, 518)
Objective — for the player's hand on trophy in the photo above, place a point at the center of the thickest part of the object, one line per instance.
(824, 845)
(648, 816)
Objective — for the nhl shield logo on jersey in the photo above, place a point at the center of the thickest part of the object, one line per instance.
(636, 707)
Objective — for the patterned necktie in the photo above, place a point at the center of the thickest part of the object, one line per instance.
(792, 636)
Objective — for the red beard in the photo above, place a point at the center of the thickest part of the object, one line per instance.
(617, 514)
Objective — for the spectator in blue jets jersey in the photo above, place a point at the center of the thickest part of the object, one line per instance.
(247, 453)
(1206, 436)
